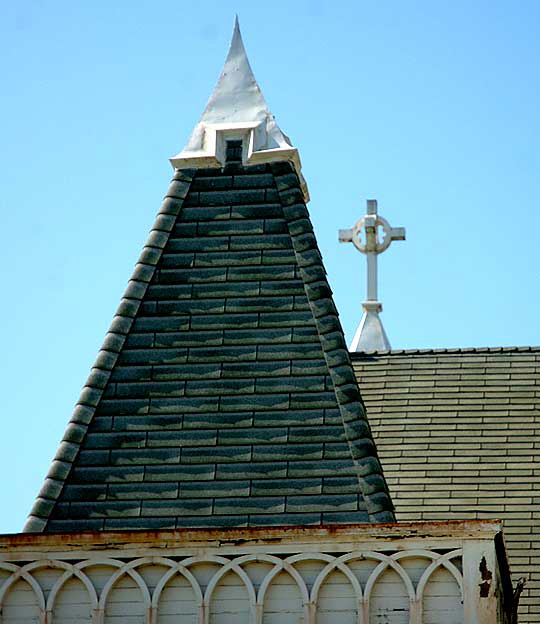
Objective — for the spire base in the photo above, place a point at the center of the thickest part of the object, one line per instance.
(370, 335)
(209, 145)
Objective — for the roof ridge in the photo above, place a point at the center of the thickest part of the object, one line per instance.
(390, 352)
(112, 345)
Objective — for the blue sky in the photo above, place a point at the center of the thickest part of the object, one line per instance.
(429, 107)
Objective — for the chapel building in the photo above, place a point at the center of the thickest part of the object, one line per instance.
(219, 466)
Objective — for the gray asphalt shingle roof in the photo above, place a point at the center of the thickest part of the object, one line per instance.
(224, 393)
(458, 433)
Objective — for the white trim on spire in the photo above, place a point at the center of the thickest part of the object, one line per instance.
(237, 110)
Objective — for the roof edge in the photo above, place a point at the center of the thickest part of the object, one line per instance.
(357, 430)
(355, 355)
(95, 540)
(106, 359)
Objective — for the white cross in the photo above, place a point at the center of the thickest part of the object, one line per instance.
(371, 235)
(373, 242)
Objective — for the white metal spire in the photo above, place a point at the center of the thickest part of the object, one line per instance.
(236, 97)
(367, 237)
(237, 110)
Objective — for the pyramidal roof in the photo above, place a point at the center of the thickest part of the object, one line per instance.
(223, 394)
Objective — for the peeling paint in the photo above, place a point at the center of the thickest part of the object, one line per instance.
(388, 532)
(485, 585)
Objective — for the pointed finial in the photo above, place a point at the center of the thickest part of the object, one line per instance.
(237, 97)
(237, 110)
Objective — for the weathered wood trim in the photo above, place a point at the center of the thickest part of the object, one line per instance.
(284, 549)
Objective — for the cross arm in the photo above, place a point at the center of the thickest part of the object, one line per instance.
(345, 236)
(397, 233)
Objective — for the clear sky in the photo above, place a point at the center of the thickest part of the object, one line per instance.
(430, 107)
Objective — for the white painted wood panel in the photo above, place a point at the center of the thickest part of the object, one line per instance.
(47, 578)
(337, 603)
(257, 572)
(265, 585)
(125, 603)
(415, 567)
(363, 568)
(230, 602)
(310, 569)
(442, 599)
(283, 602)
(20, 605)
(337, 600)
(99, 575)
(72, 604)
(152, 574)
(204, 572)
(178, 603)
(390, 601)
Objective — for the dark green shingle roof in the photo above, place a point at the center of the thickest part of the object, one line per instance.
(224, 393)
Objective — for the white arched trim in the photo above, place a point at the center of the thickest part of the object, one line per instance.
(444, 562)
(300, 557)
(88, 563)
(9, 567)
(205, 559)
(21, 574)
(69, 571)
(230, 566)
(126, 569)
(182, 571)
(284, 566)
(327, 570)
(385, 562)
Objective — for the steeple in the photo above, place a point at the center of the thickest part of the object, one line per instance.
(237, 110)
(223, 394)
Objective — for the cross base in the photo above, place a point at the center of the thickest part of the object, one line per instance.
(370, 335)
(372, 306)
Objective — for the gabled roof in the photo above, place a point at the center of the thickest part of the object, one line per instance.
(223, 394)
